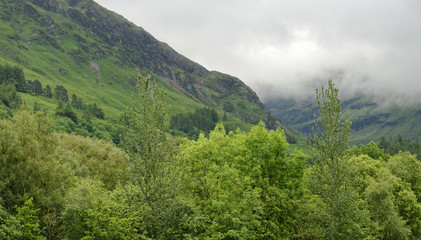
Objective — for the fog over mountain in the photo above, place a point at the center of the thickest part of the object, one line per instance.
(288, 48)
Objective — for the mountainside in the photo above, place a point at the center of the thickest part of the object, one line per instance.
(97, 54)
(370, 119)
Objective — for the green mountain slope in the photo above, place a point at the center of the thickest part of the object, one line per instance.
(370, 120)
(97, 55)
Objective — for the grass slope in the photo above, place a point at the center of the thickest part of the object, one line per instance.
(59, 50)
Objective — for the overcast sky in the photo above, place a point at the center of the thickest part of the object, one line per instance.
(289, 48)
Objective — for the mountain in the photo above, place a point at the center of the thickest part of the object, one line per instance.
(371, 118)
(96, 54)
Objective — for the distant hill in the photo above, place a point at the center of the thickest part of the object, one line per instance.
(370, 119)
(96, 54)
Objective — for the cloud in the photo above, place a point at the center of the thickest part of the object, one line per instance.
(289, 48)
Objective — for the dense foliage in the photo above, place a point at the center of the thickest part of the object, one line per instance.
(201, 120)
(13, 75)
(394, 145)
(228, 185)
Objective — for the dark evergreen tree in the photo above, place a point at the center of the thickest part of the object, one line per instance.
(19, 79)
(14, 75)
(48, 93)
(37, 88)
(214, 115)
(95, 111)
(60, 93)
(395, 145)
(74, 100)
(30, 86)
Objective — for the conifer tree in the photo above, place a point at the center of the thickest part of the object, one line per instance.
(37, 88)
(48, 92)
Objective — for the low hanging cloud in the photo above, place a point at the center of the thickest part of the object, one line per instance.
(289, 48)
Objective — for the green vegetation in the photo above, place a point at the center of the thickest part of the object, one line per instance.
(229, 185)
(395, 145)
(192, 124)
(76, 163)
(71, 49)
(371, 118)
(330, 178)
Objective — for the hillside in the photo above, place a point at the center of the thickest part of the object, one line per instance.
(370, 119)
(97, 55)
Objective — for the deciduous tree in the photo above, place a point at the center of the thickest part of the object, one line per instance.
(329, 178)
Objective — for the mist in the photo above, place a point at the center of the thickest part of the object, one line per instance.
(289, 48)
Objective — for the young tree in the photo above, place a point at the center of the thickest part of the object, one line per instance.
(329, 177)
(150, 151)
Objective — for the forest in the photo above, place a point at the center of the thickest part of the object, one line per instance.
(150, 184)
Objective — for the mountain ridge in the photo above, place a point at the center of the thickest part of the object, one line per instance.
(371, 120)
(85, 47)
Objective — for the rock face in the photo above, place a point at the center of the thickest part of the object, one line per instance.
(140, 49)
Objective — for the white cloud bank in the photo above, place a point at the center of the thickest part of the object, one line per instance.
(289, 48)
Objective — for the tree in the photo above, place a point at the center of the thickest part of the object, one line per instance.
(150, 152)
(19, 79)
(371, 150)
(9, 95)
(392, 204)
(77, 102)
(329, 178)
(67, 112)
(9, 226)
(47, 92)
(30, 86)
(37, 88)
(95, 111)
(28, 149)
(246, 187)
(60, 93)
(331, 133)
(30, 223)
(37, 107)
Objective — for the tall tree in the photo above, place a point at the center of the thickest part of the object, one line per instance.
(19, 79)
(329, 177)
(150, 150)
